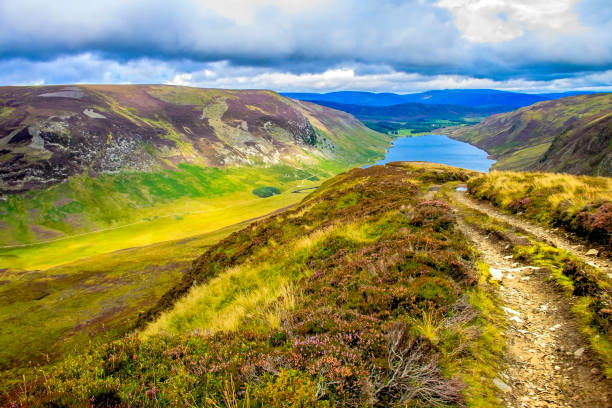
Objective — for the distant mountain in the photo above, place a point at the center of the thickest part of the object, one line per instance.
(475, 98)
(571, 135)
(351, 98)
(413, 111)
(466, 97)
(413, 118)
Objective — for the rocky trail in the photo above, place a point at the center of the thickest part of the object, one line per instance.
(546, 235)
(548, 362)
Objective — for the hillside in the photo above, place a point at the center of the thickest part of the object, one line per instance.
(384, 287)
(571, 135)
(487, 98)
(110, 192)
(51, 133)
(306, 308)
(75, 159)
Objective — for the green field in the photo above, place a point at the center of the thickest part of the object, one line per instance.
(177, 220)
(403, 128)
(46, 314)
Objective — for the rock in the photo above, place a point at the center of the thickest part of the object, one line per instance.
(502, 385)
(510, 311)
(496, 274)
(516, 319)
(555, 327)
(594, 371)
(508, 257)
(579, 352)
(592, 252)
(93, 114)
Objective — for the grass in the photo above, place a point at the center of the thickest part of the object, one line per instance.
(87, 204)
(47, 315)
(415, 128)
(195, 217)
(580, 204)
(471, 343)
(237, 331)
(226, 300)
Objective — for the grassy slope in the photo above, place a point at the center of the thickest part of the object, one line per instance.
(580, 204)
(87, 283)
(566, 135)
(317, 306)
(47, 314)
(169, 220)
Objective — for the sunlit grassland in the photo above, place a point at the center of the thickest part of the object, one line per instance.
(45, 315)
(522, 158)
(249, 289)
(179, 219)
(555, 188)
(580, 204)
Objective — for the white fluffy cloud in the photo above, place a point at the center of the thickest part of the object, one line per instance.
(89, 68)
(350, 79)
(315, 44)
(493, 21)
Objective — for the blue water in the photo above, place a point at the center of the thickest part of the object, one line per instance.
(438, 149)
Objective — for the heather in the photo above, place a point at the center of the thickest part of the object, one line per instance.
(363, 295)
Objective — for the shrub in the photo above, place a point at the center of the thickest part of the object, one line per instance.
(264, 192)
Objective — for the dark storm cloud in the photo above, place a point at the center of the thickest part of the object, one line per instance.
(445, 37)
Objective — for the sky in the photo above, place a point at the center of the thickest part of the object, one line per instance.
(311, 45)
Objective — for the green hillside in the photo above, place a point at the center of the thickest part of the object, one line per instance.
(359, 296)
(570, 135)
(108, 193)
(86, 158)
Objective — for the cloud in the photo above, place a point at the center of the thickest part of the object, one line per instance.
(91, 68)
(494, 21)
(317, 41)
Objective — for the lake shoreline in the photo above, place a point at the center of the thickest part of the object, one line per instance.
(438, 148)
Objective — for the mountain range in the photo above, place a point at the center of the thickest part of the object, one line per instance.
(480, 98)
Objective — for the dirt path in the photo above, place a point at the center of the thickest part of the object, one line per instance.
(546, 235)
(548, 361)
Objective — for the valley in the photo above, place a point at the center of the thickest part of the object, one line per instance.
(423, 113)
(278, 266)
(110, 192)
(377, 268)
(306, 204)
